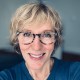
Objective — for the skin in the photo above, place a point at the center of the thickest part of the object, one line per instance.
(40, 67)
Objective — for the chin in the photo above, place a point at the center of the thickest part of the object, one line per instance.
(35, 66)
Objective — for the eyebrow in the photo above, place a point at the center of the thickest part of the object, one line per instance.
(33, 32)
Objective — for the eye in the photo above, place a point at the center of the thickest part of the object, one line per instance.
(47, 35)
(27, 34)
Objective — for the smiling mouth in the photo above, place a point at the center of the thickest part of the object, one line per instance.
(36, 56)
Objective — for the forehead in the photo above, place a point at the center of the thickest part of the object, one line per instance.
(38, 27)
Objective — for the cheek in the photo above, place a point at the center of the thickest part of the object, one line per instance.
(22, 46)
(50, 47)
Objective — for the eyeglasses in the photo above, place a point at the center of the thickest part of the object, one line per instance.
(47, 37)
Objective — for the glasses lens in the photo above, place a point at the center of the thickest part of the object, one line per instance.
(48, 37)
(28, 37)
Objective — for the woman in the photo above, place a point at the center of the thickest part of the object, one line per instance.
(36, 33)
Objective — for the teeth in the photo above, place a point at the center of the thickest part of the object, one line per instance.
(36, 56)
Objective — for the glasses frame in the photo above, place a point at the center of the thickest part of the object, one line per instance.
(39, 35)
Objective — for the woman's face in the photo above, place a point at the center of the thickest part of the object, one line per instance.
(36, 54)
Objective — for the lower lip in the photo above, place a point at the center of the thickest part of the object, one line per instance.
(34, 58)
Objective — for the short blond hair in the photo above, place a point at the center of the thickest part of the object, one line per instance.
(34, 13)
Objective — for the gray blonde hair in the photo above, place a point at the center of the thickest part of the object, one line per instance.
(35, 13)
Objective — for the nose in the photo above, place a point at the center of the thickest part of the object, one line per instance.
(37, 45)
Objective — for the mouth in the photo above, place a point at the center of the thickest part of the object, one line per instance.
(36, 56)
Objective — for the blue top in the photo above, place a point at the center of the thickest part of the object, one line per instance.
(61, 70)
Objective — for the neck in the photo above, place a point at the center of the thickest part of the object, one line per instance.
(43, 73)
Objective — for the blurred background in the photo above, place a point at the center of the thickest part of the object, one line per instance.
(69, 10)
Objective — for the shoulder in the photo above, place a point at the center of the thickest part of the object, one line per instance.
(10, 74)
(70, 70)
(74, 71)
(67, 64)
